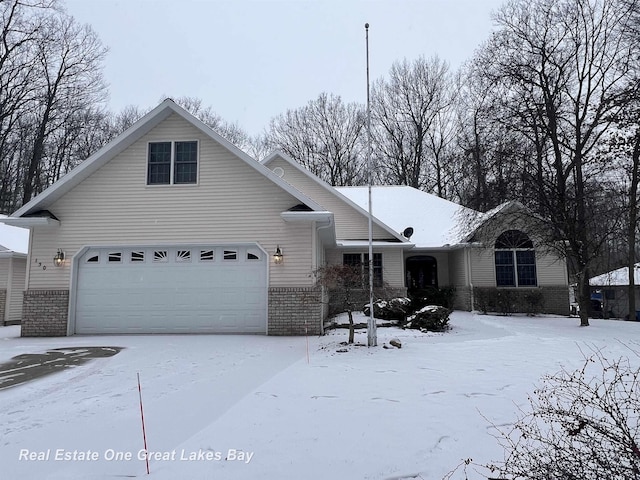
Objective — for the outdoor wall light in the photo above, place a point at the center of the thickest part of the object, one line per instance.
(58, 260)
(278, 257)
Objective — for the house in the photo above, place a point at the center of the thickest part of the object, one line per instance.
(13, 267)
(171, 228)
(610, 294)
(446, 245)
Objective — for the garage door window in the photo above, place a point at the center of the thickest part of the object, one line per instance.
(114, 257)
(183, 256)
(93, 259)
(230, 255)
(160, 256)
(137, 256)
(206, 256)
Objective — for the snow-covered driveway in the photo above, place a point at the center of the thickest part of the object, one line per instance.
(188, 382)
(253, 407)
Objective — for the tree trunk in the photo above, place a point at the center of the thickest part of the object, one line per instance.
(584, 296)
(631, 227)
(351, 329)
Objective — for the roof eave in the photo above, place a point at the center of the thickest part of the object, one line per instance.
(266, 161)
(376, 243)
(324, 220)
(12, 254)
(28, 222)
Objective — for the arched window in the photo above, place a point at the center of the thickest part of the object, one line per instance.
(515, 260)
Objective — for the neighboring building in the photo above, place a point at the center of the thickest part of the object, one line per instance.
(610, 292)
(14, 243)
(170, 228)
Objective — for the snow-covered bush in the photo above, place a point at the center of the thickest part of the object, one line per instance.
(394, 309)
(582, 424)
(433, 318)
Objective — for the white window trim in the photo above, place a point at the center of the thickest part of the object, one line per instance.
(515, 267)
(364, 263)
(172, 166)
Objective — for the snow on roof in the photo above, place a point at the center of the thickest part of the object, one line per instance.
(13, 238)
(435, 221)
(618, 277)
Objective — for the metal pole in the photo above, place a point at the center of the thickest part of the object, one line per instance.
(372, 336)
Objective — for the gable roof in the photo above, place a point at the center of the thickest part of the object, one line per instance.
(436, 222)
(616, 278)
(140, 128)
(337, 192)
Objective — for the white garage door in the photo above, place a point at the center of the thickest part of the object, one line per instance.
(178, 289)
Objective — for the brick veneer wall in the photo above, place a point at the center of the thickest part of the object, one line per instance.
(44, 313)
(290, 307)
(3, 304)
(462, 298)
(556, 300)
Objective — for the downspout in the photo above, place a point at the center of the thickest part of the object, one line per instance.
(27, 277)
(467, 253)
(314, 247)
(8, 292)
(323, 307)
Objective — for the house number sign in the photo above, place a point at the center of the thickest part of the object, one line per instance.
(44, 267)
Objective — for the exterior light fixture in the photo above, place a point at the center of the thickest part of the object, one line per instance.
(278, 257)
(58, 260)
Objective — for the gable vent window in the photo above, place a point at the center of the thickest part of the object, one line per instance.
(172, 163)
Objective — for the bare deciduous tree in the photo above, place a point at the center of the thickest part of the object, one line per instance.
(563, 67)
(344, 281)
(405, 111)
(69, 57)
(231, 131)
(325, 136)
(51, 92)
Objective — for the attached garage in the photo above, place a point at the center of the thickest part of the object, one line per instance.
(170, 289)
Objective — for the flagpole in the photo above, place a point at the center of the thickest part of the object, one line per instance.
(372, 336)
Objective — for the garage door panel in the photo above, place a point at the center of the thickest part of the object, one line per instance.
(173, 295)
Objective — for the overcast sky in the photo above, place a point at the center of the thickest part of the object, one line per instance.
(252, 60)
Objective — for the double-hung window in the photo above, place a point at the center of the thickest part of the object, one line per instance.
(362, 260)
(172, 163)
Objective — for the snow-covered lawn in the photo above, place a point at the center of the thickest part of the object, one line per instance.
(252, 407)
